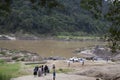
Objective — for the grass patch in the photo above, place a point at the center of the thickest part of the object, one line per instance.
(8, 71)
(2, 61)
(5, 77)
(78, 37)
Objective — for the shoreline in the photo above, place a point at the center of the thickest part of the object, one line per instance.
(57, 38)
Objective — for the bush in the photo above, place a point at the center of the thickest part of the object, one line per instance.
(112, 60)
(2, 61)
(3, 53)
(15, 58)
(60, 69)
(22, 59)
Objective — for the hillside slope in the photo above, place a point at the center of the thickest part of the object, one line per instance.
(70, 19)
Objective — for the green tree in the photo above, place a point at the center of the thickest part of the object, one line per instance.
(37, 17)
(112, 14)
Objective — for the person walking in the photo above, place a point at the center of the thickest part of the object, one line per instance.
(68, 62)
(54, 72)
(42, 68)
(45, 70)
(53, 66)
(83, 62)
(39, 71)
(35, 71)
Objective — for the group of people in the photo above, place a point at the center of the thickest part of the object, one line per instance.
(82, 61)
(43, 70)
(40, 70)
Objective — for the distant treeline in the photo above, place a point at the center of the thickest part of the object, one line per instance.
(68, 19)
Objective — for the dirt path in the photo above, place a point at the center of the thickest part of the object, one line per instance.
(59, 76)
(100, 66)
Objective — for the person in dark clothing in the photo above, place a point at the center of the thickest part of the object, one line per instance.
(42, 69)
(53, 66)
(46, 69)
(35, 71)
(97, 79)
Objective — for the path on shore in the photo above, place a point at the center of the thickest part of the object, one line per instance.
(97, 66)
(60, 76)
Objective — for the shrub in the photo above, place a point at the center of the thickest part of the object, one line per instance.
(22, 59)
(2, 61)
(112, 60)
(15, 58)
(3, 53)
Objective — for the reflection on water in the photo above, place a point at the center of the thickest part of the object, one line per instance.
(48, 47)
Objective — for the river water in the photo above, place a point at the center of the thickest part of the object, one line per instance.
(48, 47)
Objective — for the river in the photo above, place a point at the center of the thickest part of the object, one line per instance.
(48, 47)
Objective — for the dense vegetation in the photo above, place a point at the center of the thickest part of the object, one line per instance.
(23, 16)
(107, 10)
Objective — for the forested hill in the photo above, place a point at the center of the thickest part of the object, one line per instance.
(69, 19)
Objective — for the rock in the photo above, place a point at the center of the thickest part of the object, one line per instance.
(19, 55)
(111, 72)
(105, 53)
(4, 38)
(7, 59)
(102, 52)
(116, 58)
(1, 55)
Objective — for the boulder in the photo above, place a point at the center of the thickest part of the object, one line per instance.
(19, 55)
(102, 52)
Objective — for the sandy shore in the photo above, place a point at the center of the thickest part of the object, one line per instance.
(90, 71)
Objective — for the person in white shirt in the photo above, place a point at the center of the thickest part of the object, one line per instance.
(39, 71)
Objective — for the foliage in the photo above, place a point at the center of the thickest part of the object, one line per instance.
(112, 14)
(94, 6)
(4, 5)
(15, 58)
(5, 77)
(2, 61)
(26, 17)
(114, 38)
(3, 53)
(79, 37)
